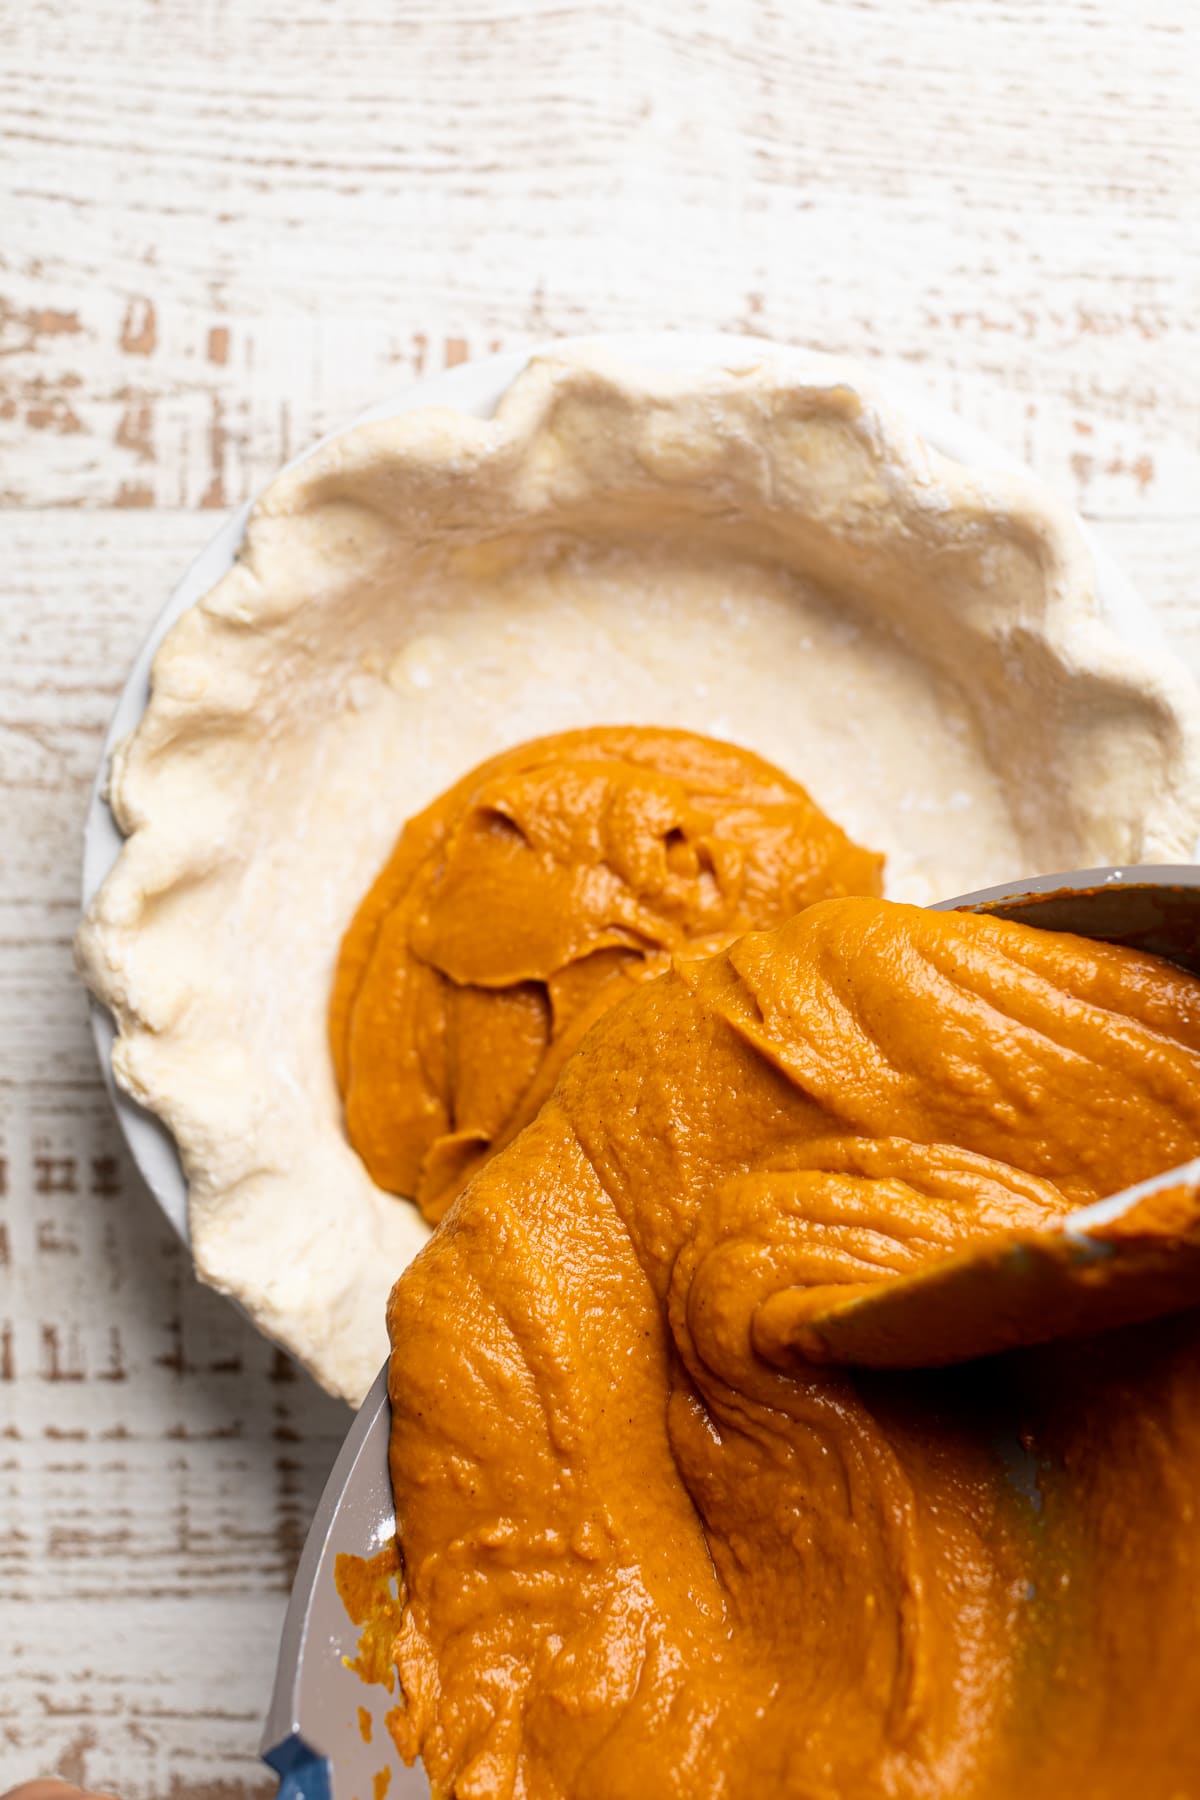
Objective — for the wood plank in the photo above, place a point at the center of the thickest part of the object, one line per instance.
(198, 280)
(159, 1462)
(1162, 558)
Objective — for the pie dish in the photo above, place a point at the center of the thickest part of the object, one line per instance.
(715, 534)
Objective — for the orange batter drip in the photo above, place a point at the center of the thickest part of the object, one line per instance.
(529, 898)
(644, 1558)
(368, 1587)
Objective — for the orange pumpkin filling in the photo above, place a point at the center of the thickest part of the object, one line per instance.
(526, 901)
(649, 1549)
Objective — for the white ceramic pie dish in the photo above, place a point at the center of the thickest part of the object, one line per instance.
(475, 389)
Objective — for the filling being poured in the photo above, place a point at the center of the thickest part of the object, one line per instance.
(650, 1549)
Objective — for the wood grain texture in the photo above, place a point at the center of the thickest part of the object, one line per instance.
(227, 226)
(158, 1461)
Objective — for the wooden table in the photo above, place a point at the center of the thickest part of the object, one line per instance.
(224, 227)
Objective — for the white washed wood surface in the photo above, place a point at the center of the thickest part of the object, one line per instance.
(226, 225)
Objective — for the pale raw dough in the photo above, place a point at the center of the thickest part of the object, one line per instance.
(777, 563)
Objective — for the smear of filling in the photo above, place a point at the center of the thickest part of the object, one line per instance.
(370, 1589)
(642, 1557)
(526, 901)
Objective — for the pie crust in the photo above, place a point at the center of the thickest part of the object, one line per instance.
(778, 561)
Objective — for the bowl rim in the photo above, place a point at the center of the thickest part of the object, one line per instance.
(476, 388)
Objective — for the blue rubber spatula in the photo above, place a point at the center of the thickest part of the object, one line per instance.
(1127, 1258)
(987, 1299)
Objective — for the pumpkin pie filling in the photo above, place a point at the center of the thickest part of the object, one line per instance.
(648, 1548)
(543, 887)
